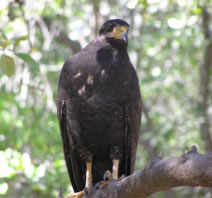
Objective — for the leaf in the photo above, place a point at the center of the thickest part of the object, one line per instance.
(28, 59)
(19, 39)
(196, 11)
(5, 43)
(7, 65)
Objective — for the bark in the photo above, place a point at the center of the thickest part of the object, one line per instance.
(190, 169)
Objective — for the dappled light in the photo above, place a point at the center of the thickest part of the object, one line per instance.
(170, 46)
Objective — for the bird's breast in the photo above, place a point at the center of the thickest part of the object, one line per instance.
(100, 118)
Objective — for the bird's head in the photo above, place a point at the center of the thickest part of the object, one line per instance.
(115, 31)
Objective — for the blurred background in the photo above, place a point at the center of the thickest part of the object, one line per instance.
(170, 45)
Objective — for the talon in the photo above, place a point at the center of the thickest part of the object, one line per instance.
(122, 177)
(76, 195)
(97, 185)
(103, 184)
(87, 191)
(107, 176)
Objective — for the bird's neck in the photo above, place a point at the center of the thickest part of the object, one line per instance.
(113, 43)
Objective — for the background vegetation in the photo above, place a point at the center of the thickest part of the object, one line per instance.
(171, 48)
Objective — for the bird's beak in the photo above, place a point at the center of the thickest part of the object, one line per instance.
(124, 37)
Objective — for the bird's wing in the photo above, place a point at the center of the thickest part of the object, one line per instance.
(133, 122)
(74, 167)
(67, 106)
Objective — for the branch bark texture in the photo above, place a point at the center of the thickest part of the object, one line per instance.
(191, 169)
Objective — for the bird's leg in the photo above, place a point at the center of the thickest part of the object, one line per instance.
(88, 183)
(115, 171)
(76, 195)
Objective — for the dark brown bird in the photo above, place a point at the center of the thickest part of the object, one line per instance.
(99, 108)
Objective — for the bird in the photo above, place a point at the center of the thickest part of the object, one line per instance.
(99, 109)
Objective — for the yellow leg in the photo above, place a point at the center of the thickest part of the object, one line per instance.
(108, 175)
(76, 195)
(88, 183)
(115, 172)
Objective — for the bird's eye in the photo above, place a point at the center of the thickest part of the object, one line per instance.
(110, 28)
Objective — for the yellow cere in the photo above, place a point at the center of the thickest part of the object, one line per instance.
(117, 31)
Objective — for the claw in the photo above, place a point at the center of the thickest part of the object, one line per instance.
(122, 177)
(86, 191)
(106, 180)
(107, 176)
(97, 185)
(76, 195)
(103, 184)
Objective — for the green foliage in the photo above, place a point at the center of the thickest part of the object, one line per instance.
(7, 65)
(4, 43)
(28, 59)
(19, 39)
(166, 45)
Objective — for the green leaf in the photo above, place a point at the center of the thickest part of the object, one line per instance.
(5, 43)
(28, 59)
(196, 11)
(7, 65)
(19, 39)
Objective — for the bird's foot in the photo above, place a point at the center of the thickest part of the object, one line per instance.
(106, 180)
(108, 176)
(76, 195)
(103, 184)
(122, 177)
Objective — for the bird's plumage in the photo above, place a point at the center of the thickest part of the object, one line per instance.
(99, 109)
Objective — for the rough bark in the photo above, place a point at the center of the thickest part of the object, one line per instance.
(190, 169)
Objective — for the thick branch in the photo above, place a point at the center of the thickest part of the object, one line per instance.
(191, 169)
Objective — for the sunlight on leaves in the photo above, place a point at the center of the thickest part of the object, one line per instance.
(3, 188)
(19, 39)
(27, 165)
(7, 65)
(5, 43)
(28, 59)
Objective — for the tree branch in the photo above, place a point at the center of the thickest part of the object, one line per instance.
(191, 169)
(96, 14)
(51, 31)
(63, 38)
